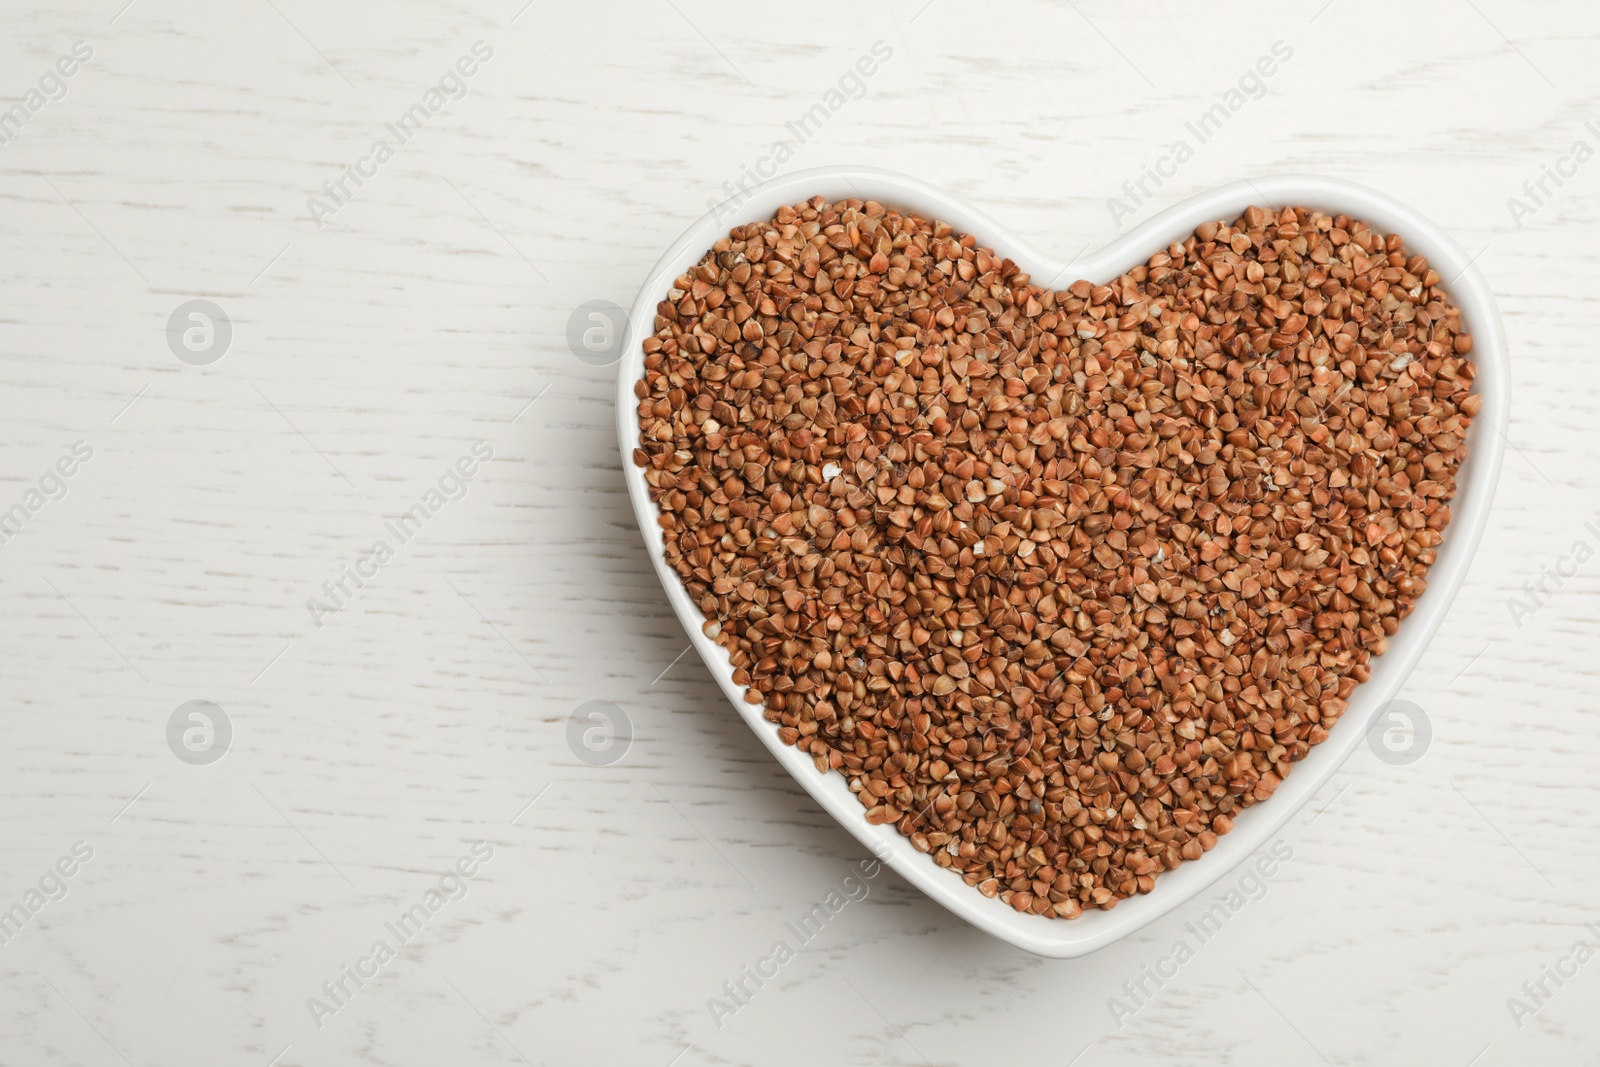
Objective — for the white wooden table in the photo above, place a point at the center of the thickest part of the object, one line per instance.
(372, 746)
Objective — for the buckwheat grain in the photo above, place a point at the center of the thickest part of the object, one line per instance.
(1060, 581)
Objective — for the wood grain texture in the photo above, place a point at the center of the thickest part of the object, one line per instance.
(370, 752)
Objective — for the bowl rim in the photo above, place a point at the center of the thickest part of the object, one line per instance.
(1256, 826)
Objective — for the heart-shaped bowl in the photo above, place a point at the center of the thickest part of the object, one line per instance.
(1255, 825)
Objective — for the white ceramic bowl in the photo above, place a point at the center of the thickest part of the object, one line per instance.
(1257, 825)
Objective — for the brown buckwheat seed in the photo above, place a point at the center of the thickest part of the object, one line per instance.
(1058, 580)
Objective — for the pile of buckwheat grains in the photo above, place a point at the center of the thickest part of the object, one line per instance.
(1058, 580)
